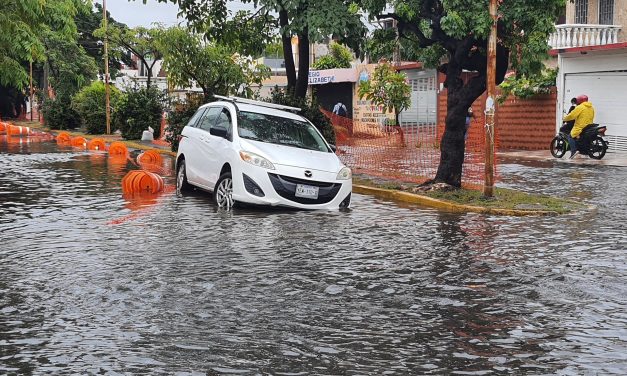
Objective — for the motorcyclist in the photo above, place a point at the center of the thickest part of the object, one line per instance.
(568, 125)
(583, 115)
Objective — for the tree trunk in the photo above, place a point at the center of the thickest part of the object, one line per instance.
(460, 98)
(149, 73)
(453, 145)
(303, 64)
(290, 67)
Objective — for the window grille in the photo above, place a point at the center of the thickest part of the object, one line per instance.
(581, 11)
(606, 12)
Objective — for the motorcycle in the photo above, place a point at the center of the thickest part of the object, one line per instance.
(590, 143)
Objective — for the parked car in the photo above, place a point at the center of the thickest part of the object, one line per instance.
(259, 153)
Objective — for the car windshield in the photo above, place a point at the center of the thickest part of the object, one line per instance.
(279, 130)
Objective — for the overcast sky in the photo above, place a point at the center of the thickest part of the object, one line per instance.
(136, 13)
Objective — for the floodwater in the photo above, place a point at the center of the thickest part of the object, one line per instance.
(93, 283)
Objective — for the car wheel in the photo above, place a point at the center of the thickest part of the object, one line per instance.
(223, 192)
(182, 185)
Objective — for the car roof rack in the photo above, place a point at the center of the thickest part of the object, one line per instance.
(258, 103)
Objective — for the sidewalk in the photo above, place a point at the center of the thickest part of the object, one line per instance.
(618, 159)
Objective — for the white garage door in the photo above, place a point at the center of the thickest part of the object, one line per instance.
(423, 110)
(608, 95)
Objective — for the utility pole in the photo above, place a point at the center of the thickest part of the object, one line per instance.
(490, 109)
(106, 63)
(30, 99)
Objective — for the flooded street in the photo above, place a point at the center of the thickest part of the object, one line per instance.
(93, 283)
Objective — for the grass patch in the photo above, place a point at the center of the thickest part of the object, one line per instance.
(507, 199)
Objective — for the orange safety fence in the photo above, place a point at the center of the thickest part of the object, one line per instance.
(409, 153)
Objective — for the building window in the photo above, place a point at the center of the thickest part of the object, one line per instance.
(581, 11)
(606, 12)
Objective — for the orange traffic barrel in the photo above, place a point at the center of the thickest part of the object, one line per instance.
(137, 181)
(16, 130)
(149, 157)
(118, 148)
(79, 142)
(63, 138)
(96, 144)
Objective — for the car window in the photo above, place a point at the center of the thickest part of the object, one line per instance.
(194, 119)
(209, 118)
(224, 120)
(279, 130)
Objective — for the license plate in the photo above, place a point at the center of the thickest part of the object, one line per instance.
(306, 191)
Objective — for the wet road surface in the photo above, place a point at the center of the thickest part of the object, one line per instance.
(92, 283)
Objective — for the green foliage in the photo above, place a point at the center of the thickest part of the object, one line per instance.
(387, 88)
(338, 57)
(138, 109)
(70, 66)
(179, 117)
(22, 23)
(310, 109)
(273, 50)
(89, 21)
(528, 87)
(214, 68)
(59, 113)
(89, 103)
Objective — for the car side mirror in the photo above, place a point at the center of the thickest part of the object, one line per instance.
(217, 131)
(333, 147)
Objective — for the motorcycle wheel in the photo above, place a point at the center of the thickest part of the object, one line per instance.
(558, 147)
(598, 147)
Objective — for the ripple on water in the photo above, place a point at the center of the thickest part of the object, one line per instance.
(91, 282)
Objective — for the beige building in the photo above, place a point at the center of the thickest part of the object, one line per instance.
(591, 22)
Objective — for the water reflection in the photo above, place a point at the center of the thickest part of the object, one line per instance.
(94, 282)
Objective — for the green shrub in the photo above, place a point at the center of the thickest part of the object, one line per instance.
(178, 118)
(138, 109)
(338, 57)
(59, 114)
(89, 103)
(310, 110)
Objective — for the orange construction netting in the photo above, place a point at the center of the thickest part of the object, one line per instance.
(409, 153)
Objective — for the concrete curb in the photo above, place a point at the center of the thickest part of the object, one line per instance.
(444, 205)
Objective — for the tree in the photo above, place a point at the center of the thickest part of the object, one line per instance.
(70, 66)
(214, 68)
(452, 34)
(338, 57)
(387, 88)
(88, 22)
(308, 20)
(21, 26)
(140, 41)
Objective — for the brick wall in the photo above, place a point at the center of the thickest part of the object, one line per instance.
(527, 124)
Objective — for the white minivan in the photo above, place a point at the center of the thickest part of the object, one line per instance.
(259, 153)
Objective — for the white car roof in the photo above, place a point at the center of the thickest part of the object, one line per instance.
(258, 109)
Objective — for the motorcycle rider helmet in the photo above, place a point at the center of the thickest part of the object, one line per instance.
(582, 98)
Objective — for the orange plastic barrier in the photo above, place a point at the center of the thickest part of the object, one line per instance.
(16, 130)
(63, 138)
(138, 181)
(118, 148)
(150, 157)
(79, 142)
(408, 153)
(96, 144)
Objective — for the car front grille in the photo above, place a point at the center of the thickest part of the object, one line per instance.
(285, 186)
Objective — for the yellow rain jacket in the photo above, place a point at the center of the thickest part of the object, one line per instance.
(582, 115)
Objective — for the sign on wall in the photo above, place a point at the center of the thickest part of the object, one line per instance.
(328, 76)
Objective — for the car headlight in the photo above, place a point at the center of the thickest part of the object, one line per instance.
(256, 160)
(344, 174)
